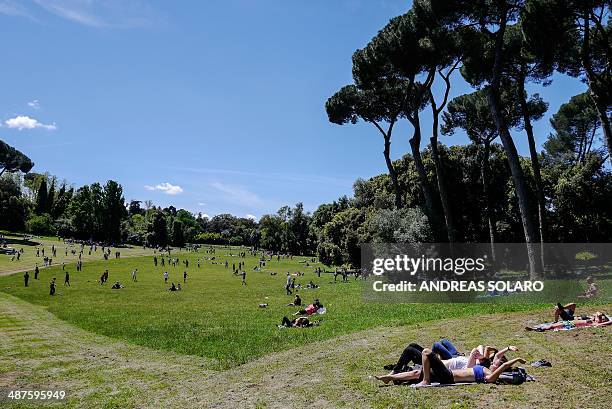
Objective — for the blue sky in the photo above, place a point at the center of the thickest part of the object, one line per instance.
(213, 106)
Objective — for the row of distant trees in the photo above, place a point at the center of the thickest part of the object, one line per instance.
(501, 48)
(576, 183)
(40, 204)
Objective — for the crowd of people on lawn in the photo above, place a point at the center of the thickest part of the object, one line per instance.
(441, 363)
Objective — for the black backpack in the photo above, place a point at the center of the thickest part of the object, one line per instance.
(516, 376)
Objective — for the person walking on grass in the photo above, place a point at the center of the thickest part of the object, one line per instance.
(134, 274)
(166, 277)
(26, 278)
(184, 276)
(288, 285)
(36, 271)
(52, 286)
(67, 279)
(244, 278)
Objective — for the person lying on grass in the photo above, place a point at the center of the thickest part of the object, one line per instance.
(448, 353)
(299, 322)
(435, 369)
(599, 319)
(486, 356)
(311, 309)
(432, 365)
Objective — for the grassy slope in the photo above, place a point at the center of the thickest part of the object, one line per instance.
(37, 350)
(215, 316)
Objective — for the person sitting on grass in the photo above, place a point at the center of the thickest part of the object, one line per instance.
(173, 288)
(565, 312)
(311, 285)
(297, 302)
(599, 319)
(117, 286)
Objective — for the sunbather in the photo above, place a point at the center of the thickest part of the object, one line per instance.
(565, 312)
(488, 355)
(299, 322)
(448, 353)
(433, 366)
(311, 308)
(598, 319)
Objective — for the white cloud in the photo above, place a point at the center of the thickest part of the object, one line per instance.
(166, 187)
(201, 204)
(34, 104)
(205, 215)
(250, 216)
(25, 122)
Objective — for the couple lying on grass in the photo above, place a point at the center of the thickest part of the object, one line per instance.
(442, 363)
(303, 322)
(569, 321)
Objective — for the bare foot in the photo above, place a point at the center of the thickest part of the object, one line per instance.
(384, 378)
(421, 384)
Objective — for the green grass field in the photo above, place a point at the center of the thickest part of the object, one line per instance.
(28, 259)
(215, 316)
(216, 320)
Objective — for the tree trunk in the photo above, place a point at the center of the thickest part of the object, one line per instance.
(535, 164)
(387, 153)
(603, 118)
(592, 83)
(519, 181)
(415, 146)
(441, 180)
(493, 96)
(392, 173)
(484, 175)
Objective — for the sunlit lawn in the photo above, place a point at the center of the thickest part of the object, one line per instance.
(215, 315)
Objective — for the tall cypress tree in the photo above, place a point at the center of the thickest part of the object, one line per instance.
(41, 197)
